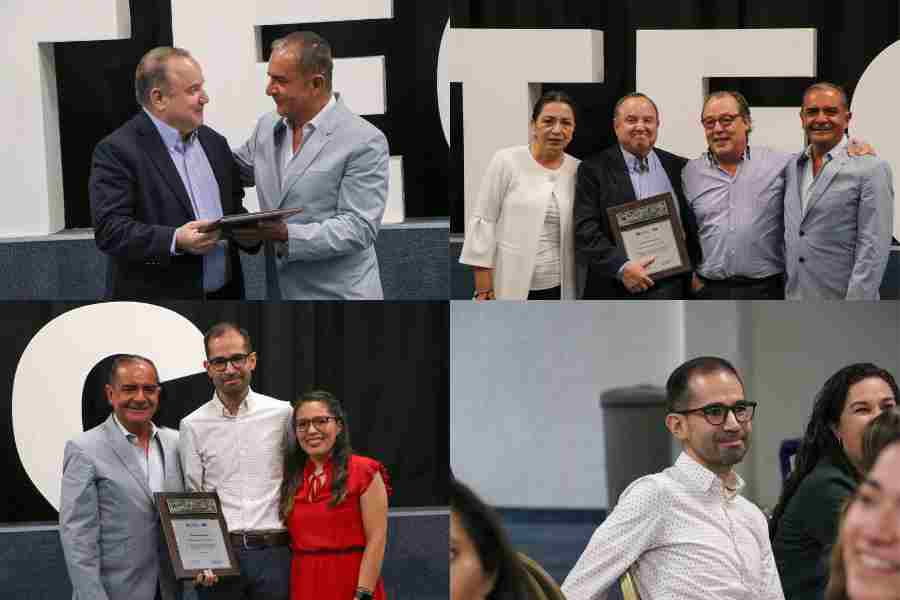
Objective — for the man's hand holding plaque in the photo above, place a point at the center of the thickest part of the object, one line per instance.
(635, 277)
(249, 229)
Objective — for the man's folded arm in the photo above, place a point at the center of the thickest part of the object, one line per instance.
(628, 531)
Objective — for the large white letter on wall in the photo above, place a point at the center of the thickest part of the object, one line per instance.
(46, 411)
(227, 43)
(443, 84)
(30, 153)
(495, 67)
(673, 67)
(872, 99)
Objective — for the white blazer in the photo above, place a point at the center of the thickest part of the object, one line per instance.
(508, 216)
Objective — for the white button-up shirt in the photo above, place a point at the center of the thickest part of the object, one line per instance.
(239, 456)
(683, 537)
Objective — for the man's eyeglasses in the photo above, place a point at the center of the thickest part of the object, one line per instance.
(725, 121)
(220, 363)
(716, 414)
(319, 423)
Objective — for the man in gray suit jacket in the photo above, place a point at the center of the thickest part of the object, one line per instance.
(313, 153)
(108, 522)
(838, 209)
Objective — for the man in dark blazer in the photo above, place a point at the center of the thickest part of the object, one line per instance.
(156, 181)
(630, 170)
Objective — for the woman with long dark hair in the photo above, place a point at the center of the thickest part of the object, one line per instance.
(826, 471)
(334, 503)
(483, 565)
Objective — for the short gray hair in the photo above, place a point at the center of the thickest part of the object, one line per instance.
(121, 360)
(152, 73)
(828, 86)
(312, 52)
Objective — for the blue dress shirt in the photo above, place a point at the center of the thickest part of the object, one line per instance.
(202, 188)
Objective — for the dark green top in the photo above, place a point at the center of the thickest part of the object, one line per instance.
(808, 529)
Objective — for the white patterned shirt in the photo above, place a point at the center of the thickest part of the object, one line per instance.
(683, 537)
(239, 456)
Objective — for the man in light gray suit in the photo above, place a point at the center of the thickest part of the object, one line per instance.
(313, 153)
(108, 522)
(838, 209)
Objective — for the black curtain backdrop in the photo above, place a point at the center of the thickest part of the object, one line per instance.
(386, 362)
(95, 82)
(850, 35)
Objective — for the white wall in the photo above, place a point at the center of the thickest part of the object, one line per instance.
(525, 383)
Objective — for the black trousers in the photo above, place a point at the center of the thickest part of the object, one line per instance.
(554, 293)
(742, 288)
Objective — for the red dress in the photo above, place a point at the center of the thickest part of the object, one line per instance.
(328, 542)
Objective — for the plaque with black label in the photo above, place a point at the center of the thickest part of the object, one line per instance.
(651, 227)
(196, 533)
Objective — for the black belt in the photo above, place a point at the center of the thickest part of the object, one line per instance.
(259, 539)
(741, 280)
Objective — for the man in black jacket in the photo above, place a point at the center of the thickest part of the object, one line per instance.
(156, 181)
(630, 170)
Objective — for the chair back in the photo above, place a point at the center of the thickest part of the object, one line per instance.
(786, 453)
(536, 573)
(629, 589)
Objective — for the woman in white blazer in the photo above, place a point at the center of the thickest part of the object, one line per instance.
(519, 237)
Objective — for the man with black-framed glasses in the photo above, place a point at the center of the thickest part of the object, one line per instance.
(235, 445)
(736, 194)
(686, 533)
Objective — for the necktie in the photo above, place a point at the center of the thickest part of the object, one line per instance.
(215, 262)
(642, 165)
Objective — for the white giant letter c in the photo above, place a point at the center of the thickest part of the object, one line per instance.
(47, 388)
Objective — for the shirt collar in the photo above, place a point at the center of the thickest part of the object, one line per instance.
(714, 162)
(702, 479)
(130, 436)
(245, 407)
(838, 149)
(171, 137)
(316, 121)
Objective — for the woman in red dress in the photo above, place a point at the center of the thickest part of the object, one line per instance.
(334, 504)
